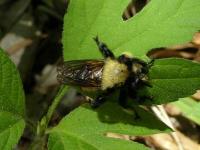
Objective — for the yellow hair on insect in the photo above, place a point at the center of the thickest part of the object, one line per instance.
(114, 73)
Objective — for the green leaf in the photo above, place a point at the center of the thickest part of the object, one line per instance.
(11, 104)
(173, 78)
(159, 24)
(190, 108)
(85, 129)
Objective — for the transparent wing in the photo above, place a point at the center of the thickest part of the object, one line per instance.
(85, 73)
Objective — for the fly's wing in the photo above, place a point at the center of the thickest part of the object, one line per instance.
(85, 73)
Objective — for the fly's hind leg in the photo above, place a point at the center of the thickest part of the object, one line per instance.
(98, 101)
(101, 98)
(106, 52)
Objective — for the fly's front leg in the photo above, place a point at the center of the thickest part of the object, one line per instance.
(150, 63)
(106, 52)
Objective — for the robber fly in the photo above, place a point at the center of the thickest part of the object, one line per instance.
(126, 73)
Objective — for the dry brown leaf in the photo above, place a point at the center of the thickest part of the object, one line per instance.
(196, 39)
(165, 141)
(196, 96)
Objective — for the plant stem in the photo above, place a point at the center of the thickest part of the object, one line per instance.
(40, 140)
(62, 91)
(43, 124)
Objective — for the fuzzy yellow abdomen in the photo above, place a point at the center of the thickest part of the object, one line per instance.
(114, 73)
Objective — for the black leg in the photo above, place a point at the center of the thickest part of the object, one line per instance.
(101, 98)
(123, 98)
(123, 102)
(146, 66)
(150, 63)
(106, 52)
(96, 103)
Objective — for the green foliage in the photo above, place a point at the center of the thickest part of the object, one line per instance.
(12, 104)
(159, 24)
(85, 129)
(173, 78)
(190, 109)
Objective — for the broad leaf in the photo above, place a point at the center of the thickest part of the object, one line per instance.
(173, 79)
(11, 104)
(189, 108)
(158, 19)
(160, 23)
(85, 129)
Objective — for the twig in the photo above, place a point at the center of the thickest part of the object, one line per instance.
(162, 115)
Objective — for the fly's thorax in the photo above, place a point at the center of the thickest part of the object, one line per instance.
(114, 73)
